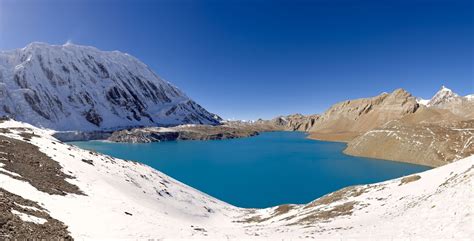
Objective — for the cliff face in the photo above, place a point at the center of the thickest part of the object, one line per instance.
(72, 87)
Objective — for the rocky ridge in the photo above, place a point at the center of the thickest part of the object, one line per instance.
(354, 117)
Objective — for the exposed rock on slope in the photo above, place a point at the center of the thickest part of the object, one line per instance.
(33, 166)
(351, 118)
(73, 87)
(137, 202)
(426, 144)
(23, 219)
(185, 132)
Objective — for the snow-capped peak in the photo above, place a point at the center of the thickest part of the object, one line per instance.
(445, 89)
(74, 87)
(444, 95)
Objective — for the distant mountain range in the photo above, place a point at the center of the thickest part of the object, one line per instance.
(72, 87)
(347, 119)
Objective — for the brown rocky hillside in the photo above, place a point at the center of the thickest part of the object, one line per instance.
(348, 119)
(430, 144)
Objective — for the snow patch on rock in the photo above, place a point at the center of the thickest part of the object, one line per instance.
(29, 218)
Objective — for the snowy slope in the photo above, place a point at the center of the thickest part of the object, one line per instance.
(72, 87)
(127, 200)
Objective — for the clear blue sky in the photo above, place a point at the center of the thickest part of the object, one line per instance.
(249, 59)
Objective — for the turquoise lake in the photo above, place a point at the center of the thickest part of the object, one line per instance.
(270, 169)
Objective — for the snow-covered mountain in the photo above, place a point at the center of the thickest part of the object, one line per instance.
(443, 96)
(446, 99)
(72, 87)
(51, 190)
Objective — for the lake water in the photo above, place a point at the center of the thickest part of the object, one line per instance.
(270, 169)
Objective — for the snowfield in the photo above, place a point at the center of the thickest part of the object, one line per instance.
(128, 200)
